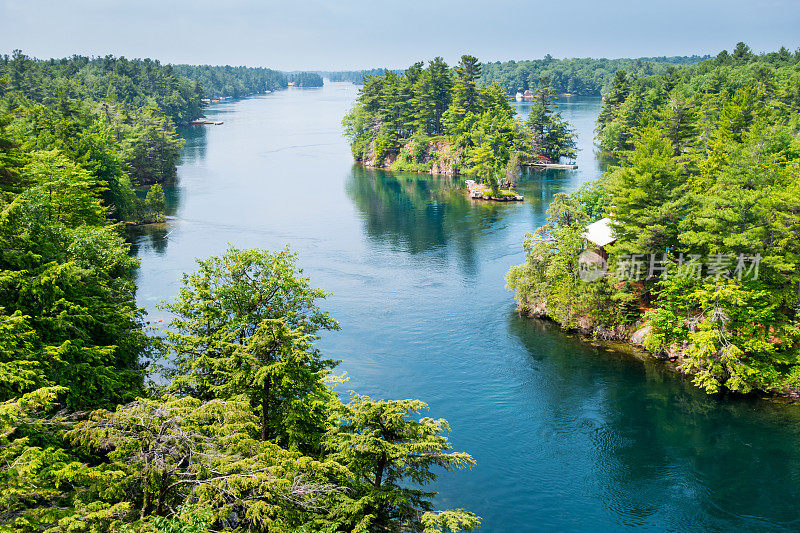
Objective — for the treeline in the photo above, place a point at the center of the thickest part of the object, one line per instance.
(354, 76)
(230, 81)
(306, 79)
(135, 83)
(704, 208)
(76, 112)
(631, 102)
(438, 119)
(579, 76)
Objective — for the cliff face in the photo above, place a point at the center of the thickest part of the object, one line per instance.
(444, 158)
(438, 156)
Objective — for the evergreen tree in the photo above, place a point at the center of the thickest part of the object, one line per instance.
(383, 449)
(551, 136)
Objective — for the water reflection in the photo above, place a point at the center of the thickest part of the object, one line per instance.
(154, 237)
(419, 213)
(652, 442)
(195, 147)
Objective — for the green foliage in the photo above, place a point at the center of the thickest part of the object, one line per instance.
(243, 324)
(708, 173)
(154, 204)
(66, 287)
(382, 448)
(217, 81)
(478, 124)
(551, 136)
(249, 438)
(547, 284)
(134, 83)
(152, 150)
(306, 79)
(171, 451)
(579, 76)
(187, 519)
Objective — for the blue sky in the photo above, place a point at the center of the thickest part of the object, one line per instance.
(313, 34)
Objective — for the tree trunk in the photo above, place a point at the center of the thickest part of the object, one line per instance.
(145, 503)
(265, 412)
(379, 472)
(162, 494)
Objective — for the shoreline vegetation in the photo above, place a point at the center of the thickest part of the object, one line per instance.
(230, 420)
(117, 117)
(704, 193)
(439, 120)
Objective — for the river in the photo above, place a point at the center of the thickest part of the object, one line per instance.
(567, 436)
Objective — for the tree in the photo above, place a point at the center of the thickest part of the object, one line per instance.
(66, 282)
(551, 136)
(284, 377)
(382, 449)
(243, 324)
(620, 88)
(155, 204)
(647, 196)
(742, 52)
(465, 91)
(153, 149)
(170, 452)
(434, 94)
(740, 340)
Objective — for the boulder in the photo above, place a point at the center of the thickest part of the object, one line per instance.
(640, 335)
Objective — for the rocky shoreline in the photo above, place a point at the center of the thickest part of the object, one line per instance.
(439, 157)
(635, 337)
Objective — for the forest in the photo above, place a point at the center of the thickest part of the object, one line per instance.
(703, 203)
(216, 81)
(439, 119)
(577, 76)
(109, 121)
(231, 420)
(306, 79)
(354, 76)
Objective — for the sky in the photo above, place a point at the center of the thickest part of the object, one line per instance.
(343, 34)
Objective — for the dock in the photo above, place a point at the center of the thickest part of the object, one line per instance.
(205, 123)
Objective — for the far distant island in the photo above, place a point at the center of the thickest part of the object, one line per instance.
(305, 79)
(440, 120)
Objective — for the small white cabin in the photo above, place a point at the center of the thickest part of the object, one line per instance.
(600, 234)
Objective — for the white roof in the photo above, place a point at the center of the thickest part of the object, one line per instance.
(600, 232)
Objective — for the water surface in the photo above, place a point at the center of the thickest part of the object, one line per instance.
(567, 436)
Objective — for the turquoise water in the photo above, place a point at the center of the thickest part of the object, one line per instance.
(567, 436)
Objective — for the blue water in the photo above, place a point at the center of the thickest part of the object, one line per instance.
(567, 436)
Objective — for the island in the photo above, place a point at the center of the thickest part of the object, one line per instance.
(439, 120)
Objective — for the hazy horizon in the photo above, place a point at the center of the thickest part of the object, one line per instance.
(356, 35)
